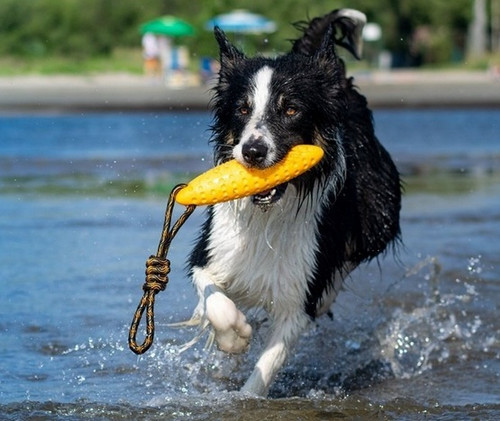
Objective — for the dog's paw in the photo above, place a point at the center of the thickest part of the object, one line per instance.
(232, 332)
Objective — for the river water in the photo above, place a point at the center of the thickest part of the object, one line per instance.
(82, 197)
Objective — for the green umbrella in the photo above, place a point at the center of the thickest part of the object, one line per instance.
(169, 26)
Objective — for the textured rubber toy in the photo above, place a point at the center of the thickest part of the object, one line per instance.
(233, 180)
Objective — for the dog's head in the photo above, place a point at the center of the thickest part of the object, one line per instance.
(264, 106)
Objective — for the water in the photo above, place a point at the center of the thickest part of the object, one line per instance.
(82, 199)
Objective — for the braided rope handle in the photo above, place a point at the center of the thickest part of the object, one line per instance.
(157, 269)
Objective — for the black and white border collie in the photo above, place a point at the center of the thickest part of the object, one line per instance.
(288, 250)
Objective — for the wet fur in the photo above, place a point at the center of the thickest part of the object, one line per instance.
(290, 257)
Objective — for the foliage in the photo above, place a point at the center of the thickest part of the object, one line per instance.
(120, 60)
(79, 29)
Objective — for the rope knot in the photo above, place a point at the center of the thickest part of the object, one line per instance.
(157, 269)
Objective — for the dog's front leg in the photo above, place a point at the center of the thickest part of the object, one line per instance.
(285, 332)
(232, 332)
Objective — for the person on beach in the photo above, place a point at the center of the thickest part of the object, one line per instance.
(151, 54)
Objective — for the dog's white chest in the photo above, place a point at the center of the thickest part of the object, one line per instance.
(264, 258)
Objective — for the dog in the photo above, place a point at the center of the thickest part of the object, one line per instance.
(288, 250)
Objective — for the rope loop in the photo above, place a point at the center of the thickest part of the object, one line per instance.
(157, 269)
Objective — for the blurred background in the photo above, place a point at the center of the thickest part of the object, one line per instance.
(73, 36)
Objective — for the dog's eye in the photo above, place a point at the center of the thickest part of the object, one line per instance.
(291, 111)
(244, 110)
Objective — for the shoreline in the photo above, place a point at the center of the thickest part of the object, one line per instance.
(126, 92)
(430, 89)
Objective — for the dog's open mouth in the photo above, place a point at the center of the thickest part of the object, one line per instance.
(267, 198)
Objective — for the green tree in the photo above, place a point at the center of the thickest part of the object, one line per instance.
(427, 31)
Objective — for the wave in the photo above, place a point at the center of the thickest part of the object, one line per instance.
(457, 164)
(202, 408)
(150, 174)
(87, 176)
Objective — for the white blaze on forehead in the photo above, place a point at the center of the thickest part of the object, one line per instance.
(261, 91)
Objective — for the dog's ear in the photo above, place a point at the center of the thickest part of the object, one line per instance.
(229, 54)
(350, 23)
(326, 51)
(347, 32)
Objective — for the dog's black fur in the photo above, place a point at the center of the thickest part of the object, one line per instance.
(353, 195)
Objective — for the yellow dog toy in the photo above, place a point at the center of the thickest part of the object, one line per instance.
(233, 180)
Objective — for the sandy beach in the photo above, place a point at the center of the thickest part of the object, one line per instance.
(397, 89)
(96, 92)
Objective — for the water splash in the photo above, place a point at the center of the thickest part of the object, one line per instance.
(414, 340)
(401, 336)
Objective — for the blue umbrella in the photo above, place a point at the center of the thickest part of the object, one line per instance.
(243, 22)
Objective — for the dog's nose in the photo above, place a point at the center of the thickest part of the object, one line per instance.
(254, 152)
